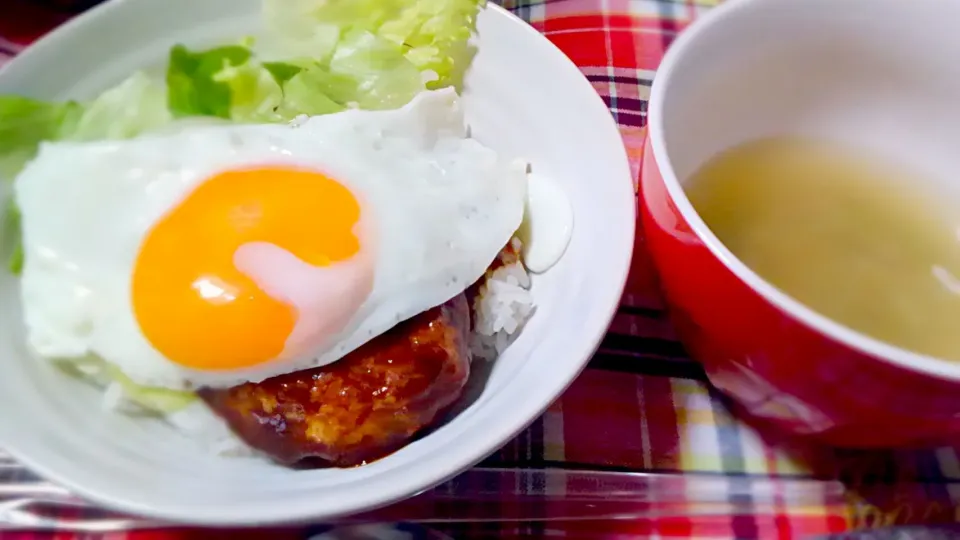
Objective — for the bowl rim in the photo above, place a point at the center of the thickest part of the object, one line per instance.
(666, 73)
(497, 429)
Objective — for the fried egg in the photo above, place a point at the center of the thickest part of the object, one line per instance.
(218, 255)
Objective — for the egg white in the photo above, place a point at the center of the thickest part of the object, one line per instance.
(444, 207)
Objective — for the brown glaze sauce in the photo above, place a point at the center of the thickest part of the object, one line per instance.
(364, 406)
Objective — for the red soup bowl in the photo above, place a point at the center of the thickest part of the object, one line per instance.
(880, 74)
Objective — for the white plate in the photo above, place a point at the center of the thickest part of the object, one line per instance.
(523, 97)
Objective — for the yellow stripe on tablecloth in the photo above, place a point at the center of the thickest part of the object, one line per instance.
(699, 421)
(553, 440)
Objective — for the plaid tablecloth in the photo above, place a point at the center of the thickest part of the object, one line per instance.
(642, 406)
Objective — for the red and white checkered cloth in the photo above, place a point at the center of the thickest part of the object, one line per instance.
(642, 406)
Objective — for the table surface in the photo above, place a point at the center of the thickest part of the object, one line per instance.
(642, 406)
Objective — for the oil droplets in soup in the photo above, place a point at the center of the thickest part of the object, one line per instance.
(859, 240)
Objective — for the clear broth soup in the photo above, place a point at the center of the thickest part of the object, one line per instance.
(861, 241)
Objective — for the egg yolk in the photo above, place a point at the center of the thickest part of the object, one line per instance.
(205, 307)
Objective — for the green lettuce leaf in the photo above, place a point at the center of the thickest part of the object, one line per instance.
(193, 87)
(15, 263)
(282, 72)
(254, 93)
(437, 33)
(133, 107)
(269, 92)
(25, 123)
(384, 78)
(314, 91)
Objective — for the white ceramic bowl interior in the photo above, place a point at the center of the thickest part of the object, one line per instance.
(523, 98)
(876, 74)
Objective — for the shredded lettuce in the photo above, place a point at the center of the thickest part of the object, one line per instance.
(150, 398)
(325, 56)
(319, 57)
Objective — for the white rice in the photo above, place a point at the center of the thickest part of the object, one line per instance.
(204, 428)
(501, 309)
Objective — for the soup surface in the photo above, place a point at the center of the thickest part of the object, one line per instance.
(865, 242)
